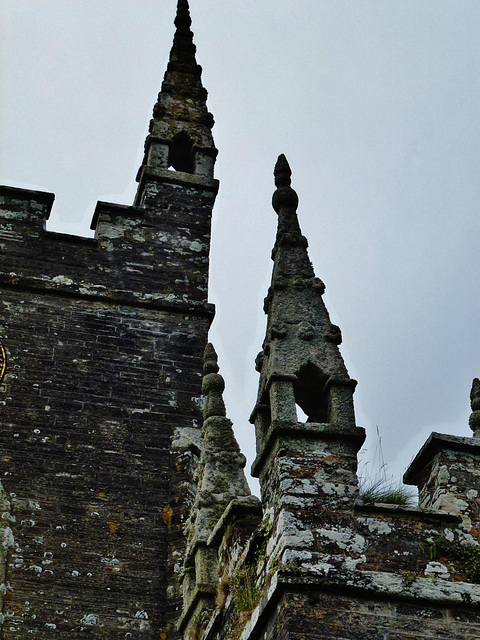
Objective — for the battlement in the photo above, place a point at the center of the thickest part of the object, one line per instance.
(24, 205)
(140, 256)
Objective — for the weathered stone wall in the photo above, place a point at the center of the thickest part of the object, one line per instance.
(99, 411)
(336, 615)
(351, 573)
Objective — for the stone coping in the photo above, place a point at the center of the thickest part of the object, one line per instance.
(112, 208)
(367, 585)
(414, 513)
(147, 173)
(306, 430)
(435, 443)
(237, 506)
(20, 193)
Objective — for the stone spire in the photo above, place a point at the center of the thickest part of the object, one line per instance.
(300, 363)
(180, 135)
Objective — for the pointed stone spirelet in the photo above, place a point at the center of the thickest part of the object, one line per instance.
(300, 363)
(285, 202)
(474, 420)
(180, 132)
(222, 496)
(221, 476)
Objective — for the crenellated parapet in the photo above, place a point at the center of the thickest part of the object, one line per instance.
(137, 257)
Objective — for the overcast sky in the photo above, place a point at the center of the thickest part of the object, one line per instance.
(376, 104)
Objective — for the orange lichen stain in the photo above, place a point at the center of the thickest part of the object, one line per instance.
(330, 458)
(167, 515)
(113, 526)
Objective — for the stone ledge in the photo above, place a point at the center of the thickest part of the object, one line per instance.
(368, 585)
(207, 591)
(105, 296)
(147, 173)
(307, 430)
(416, 513)
(237, 507)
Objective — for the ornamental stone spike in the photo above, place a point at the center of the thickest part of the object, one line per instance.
(183, 49)
(285, 199)
(213, 385)
(474, 420)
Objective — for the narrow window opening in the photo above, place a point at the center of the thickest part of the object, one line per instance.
(180, 157)
(310, 395)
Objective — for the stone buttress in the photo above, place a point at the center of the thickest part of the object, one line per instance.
(100, 412)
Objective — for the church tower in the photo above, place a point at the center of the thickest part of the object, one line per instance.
(102, 352)
(125, 511)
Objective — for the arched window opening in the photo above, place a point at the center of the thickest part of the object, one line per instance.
(309, 393)
(180, 156)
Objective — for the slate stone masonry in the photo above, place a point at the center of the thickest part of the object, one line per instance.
(105, 340)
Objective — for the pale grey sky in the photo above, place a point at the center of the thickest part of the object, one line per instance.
(375, 103)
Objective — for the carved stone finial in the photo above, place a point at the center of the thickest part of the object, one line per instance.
(183, 50)
(284, 197)
(213, 384)
(474, 420)
(475, 395)
(183, 18)
(210, 360)
(282, 172)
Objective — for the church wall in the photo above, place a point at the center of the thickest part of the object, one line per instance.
(99, 383)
